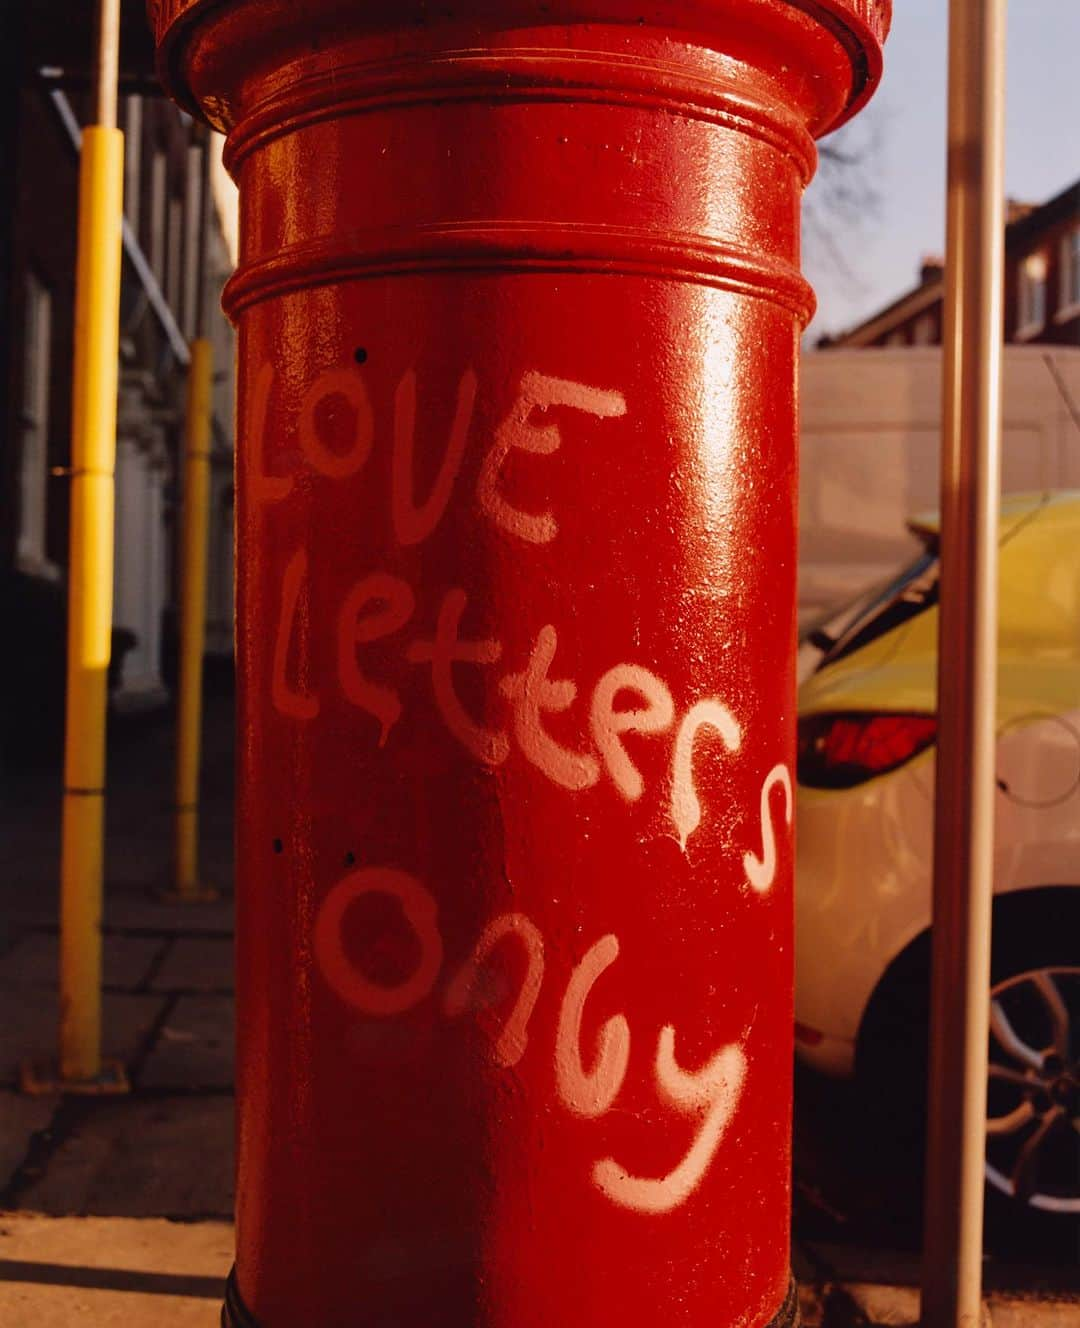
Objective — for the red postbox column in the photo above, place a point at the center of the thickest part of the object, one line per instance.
(519, 309)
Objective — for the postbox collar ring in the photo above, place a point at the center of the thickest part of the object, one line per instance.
(190, 68)
(520, 75)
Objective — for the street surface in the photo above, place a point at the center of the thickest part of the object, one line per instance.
(117, 1210)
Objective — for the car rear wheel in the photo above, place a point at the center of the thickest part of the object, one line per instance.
(1033, 1091)
(1033, 1087)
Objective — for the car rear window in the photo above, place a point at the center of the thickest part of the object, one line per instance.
(898, 601)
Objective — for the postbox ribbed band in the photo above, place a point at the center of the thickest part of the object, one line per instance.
(522, 77)
(503, 247)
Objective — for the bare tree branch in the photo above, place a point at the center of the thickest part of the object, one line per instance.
(845, 198)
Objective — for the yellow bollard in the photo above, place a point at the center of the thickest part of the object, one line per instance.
(90, 579)
(193, 558)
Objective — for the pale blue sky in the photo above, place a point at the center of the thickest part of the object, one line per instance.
(1042, 116)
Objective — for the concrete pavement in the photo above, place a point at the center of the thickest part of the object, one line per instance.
(112, 1272)
(116, 1210)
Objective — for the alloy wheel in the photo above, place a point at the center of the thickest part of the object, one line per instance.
(1033, 1091)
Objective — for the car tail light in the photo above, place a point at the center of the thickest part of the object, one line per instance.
(841, 750)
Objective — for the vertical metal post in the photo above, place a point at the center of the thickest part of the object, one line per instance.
(193, 552)
(195, 518)
(967, 667)
(90, 578)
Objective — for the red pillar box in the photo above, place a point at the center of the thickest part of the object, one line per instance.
(519, 310)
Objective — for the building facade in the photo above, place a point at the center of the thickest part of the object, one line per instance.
(175, 262)
(1042, 286)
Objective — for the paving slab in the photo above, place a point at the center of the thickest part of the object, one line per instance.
(165, 1157)
(26, 901)
(146, 860)
(34, 961)
(30, 1019)
(141, 908)
(194, 1049)
(199, 963)
(887, 1306)
(1042, 1311)
(111, 1272)
(860, 1262)
(879, 1305)
(21, 1118)
(857, 1261)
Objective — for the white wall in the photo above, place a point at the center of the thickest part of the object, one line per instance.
(870, 424)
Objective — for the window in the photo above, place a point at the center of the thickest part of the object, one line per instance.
(1069, 294)
(34, 422)
(1031, 304)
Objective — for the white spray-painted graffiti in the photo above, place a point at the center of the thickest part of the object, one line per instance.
(628, 699)
(463, 993)
(709, 1095)
(760, 872)
(382, 604)
(590, 1092)
(712, 1094)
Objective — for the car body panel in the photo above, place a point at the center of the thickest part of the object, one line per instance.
(864, 874)
(862, 894)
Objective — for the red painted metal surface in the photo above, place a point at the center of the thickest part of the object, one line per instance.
(519, 309)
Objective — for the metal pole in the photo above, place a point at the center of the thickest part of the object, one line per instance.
(967, 668)
(196, 499)
(195, 517)
(90, 578)
(132, 252)
(107, 69)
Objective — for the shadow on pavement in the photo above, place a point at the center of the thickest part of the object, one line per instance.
(860, 1191)
(110, 1279)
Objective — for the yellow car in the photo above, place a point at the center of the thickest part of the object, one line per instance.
(865, 833)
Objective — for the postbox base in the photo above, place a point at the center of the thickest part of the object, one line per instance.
(234, 1313)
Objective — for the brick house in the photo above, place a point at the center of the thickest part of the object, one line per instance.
(1042, 285)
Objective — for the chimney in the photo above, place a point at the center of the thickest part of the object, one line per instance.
(931, 268)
